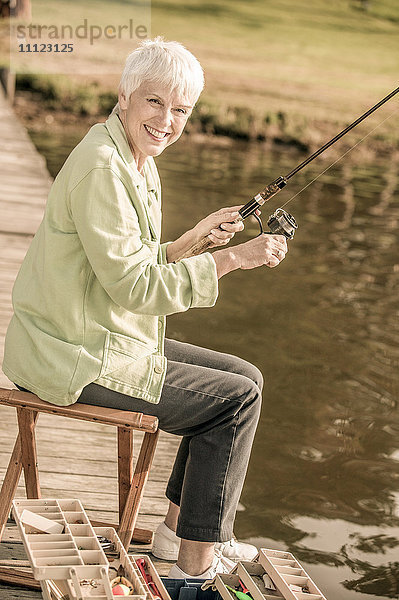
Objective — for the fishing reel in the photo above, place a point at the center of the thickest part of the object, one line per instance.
(279, 223)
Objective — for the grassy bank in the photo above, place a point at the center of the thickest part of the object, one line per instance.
(61, 102)
(61, 98)
(284, 70)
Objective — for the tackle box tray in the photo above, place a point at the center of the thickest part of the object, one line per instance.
(73, 559)
(53, 555)
(272, 575)
(153, 575)
(288, 575)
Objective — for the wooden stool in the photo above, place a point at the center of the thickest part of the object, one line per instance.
(131, 485)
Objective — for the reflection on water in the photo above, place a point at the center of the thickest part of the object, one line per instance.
(323, 327)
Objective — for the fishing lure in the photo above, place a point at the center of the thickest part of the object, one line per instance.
(239, 595)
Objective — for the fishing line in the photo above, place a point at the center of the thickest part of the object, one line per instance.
(340, 158)
(281, 222)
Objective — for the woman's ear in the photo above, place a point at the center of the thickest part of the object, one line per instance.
(123, 103)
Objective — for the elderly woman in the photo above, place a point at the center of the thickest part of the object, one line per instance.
(95, 287)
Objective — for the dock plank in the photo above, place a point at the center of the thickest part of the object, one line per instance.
(76, 458)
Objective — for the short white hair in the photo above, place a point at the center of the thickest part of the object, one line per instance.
(168, 63)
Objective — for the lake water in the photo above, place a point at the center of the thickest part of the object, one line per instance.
(323, 327)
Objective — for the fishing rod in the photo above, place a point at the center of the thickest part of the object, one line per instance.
(281, 222)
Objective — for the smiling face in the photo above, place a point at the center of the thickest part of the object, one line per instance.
(153, 117)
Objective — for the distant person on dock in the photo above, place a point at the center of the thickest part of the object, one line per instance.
(95, 287)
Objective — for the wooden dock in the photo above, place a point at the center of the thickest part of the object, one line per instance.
(76, 459)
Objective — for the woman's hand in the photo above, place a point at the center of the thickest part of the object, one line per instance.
(208, 228)
(266, 249)
(218, 226)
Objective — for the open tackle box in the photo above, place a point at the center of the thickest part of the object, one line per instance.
(272, 575)
(75, 561)
(69, 561)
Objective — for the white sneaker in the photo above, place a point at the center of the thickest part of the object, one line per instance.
(235, 550)
(220, 564)
(166, 546)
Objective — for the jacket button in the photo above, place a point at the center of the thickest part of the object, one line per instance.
(158, 370)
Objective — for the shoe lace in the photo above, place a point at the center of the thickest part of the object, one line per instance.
(231, 542)
(223, 563)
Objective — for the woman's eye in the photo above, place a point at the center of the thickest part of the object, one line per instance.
(154, 100)
(182, 111)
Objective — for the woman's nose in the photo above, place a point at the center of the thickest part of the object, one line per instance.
(166, 118)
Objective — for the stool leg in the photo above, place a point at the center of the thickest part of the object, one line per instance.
(135, 494)
(125, 465)
(10, 483)
(27, 423)
(125, 476)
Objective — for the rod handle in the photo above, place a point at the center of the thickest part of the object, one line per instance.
(202, 245)
(248, 209)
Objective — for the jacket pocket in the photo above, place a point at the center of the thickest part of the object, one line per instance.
(121, 350)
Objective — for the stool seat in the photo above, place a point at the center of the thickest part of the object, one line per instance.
(83, 412)
(131, 484)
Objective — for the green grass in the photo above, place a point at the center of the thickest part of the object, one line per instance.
(315, 58)
(283, 69)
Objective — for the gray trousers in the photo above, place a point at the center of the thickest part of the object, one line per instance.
(213, 400)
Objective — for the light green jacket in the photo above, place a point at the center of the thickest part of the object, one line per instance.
(92, 294)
